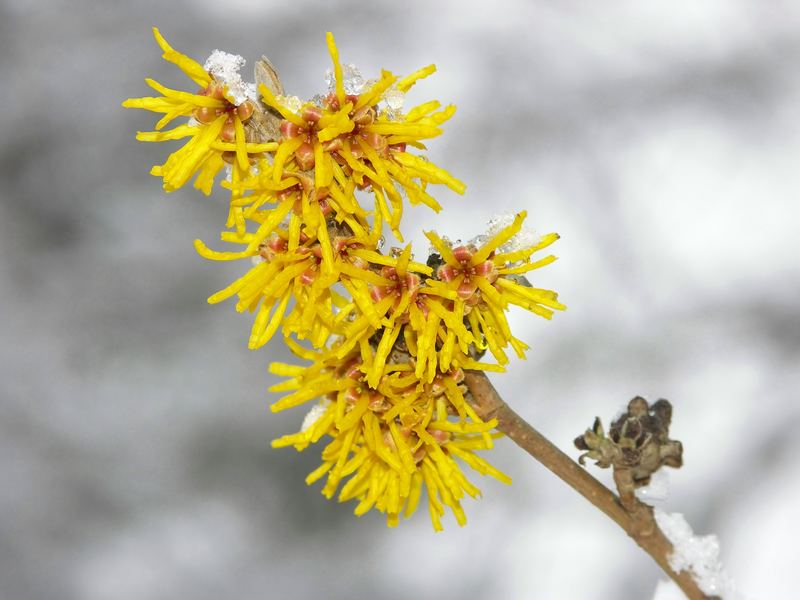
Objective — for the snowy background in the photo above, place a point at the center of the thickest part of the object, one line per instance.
(661, 140)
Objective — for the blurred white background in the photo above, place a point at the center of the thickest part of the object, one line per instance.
(661, 140)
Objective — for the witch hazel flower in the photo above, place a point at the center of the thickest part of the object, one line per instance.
(385, 341)
(219, 120)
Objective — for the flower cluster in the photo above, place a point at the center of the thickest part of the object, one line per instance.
(391, 439)
(387, 339)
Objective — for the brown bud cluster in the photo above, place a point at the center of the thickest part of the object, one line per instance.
(637, 442)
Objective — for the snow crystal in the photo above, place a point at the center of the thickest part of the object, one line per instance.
(499, 222)
(250, 91)
(394, 100)
(229, 172)
(447, 241)
(656, 493)
(315, 414)
(696, 554)
(293, 103)
(225, 68)
(478, 240)
(351, 79)
(526, 237)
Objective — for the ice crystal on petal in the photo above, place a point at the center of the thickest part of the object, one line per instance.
(353, 82)
(394, 100)
(229, 172)
(225, 68)
(526, 237)
(499, 222)
(433, 250)
(223, 64)
(250, 91)
(314, 415)
(293, 103)
(351, 79)
(478, 240)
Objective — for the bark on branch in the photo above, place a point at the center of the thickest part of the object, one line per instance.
(637, 520)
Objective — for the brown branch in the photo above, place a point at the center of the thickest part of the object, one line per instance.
(637, 521)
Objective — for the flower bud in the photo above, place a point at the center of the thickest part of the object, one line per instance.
(304, 156)
(245, 110)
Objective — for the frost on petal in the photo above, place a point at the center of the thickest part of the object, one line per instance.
(293, 103)
(499, 222)
(478, 240)
(250, 91)
(225, 68)
(526, 237)
(394, 100)
(314, 415)
(351, 79)
(433, 250)
(698, 555)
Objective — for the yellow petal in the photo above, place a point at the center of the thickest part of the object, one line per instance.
(192, 68)
(337, 66)
(406, 82)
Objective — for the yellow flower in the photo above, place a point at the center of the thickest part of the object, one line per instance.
(303, 263)
(349, 143)
(391, 337)
(294, 192)
(289, 264)
(486, 281)
(217, 132)
(392, 441)
(391, 301)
